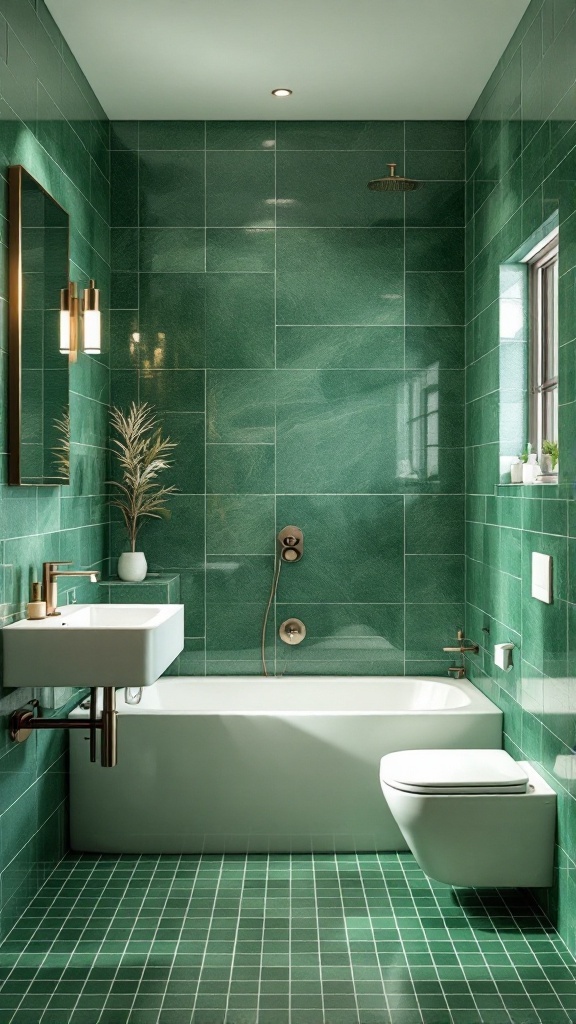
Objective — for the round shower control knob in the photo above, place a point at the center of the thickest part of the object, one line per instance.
(290, 555)
(292, 631)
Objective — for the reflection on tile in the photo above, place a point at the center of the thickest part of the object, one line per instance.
(356, 347)
(239, 187)
(240, 406)
(171, 250)
(244, 249)
(348, 424)
(340, 277)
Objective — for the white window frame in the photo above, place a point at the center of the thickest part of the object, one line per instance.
(542, 264)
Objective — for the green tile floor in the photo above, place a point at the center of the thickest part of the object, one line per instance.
(343, 939)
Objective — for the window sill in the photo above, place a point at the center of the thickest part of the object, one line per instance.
(536, 490)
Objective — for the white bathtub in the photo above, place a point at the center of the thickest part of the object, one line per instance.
(240, 764)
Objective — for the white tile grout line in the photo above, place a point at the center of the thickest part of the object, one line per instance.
(183, 925)
(369, 916)
(62, 887)
(350, 961)
(432, 890)
(109, 878)
(262, 945)
(235, 941)
(318, 932)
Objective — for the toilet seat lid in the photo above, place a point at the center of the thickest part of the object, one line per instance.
(453, 772)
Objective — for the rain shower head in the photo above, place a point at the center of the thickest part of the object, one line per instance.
(393, 182)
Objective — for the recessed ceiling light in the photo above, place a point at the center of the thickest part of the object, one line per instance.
(281, 92)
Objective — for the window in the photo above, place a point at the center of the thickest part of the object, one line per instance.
(543, 384)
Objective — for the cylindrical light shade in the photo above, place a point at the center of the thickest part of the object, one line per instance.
(91, 318)
(64, 320)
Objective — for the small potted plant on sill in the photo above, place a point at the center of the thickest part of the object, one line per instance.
(141, 453)
(549, 461)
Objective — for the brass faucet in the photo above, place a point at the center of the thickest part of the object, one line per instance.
(461, 649)
(50, 575)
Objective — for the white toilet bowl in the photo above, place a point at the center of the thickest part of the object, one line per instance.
(473, 817)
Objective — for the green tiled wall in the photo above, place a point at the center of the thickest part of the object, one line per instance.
(288, 323)
(51, 122)
(520, 171)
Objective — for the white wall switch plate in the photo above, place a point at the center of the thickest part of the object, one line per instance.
(542, 577)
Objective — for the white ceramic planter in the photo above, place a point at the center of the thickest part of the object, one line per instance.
(132, 566)
(546, 466)
(516, 473)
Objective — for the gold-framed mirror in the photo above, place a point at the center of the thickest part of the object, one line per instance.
(38, 371)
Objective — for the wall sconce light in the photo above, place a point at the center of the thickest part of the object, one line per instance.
(69, 310)
(70, 320)
(91, 317)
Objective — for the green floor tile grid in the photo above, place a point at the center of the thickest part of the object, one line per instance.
(341, 939)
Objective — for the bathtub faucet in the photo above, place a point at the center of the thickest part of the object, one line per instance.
(462, 649)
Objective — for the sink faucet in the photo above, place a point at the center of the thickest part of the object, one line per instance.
(50, 574)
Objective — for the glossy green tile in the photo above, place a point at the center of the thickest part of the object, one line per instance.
(434, 298)
(340, 135)
(240, 249)
(304, 200)
(234, 135)
(431, 627)
(434, 578)
(346, 421)
(172, 320)
(124, 291)
(240, 320)
(435, 135)
(124, 249)
(241, 524)
(173, 390)
(340, 277)
(434, 524)
(371, 566)
(171, 250)
(436, 165)
(179, 541)
(171, 189)
(338, 347)
(240, 189)
(426, 346)
(230, 580)
(171, 135)
(240, 468)
(187, 430)
(441, 248)
(438, 204)
(240, 406)
(555, 516)
(124, 135)
(124, 189)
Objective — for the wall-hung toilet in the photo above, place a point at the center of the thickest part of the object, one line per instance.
(473, 817)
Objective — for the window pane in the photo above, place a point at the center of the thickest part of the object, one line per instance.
(549, 324)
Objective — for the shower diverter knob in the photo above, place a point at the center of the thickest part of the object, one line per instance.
(292, 631)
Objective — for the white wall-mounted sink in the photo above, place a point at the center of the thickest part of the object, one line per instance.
(94, 645)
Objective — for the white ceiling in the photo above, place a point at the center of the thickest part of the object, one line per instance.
(343, 59)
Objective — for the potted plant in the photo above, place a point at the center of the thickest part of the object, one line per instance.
(549, 462)
(141, 453)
